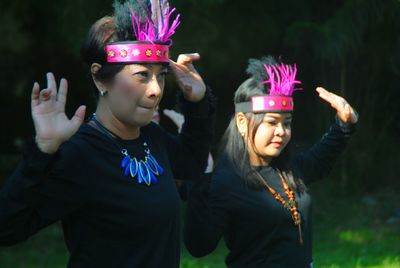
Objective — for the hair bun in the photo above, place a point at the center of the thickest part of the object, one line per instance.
(256, 68)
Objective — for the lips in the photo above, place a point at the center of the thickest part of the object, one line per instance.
(277, 143)
(149, 107)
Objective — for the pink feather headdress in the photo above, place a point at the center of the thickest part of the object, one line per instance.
(152, 36)
(282, 82)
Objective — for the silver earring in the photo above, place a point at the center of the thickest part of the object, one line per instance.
(103, 93)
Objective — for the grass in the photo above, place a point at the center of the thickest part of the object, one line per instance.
(349, 231)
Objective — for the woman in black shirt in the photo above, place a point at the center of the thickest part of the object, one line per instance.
(257, 198)
(111, 180)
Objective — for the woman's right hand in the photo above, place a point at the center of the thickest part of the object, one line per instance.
(52, 126)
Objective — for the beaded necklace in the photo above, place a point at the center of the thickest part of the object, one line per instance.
(290, 206)
(144, 170)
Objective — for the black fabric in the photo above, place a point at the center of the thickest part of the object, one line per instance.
(108, 220)
(257, 229)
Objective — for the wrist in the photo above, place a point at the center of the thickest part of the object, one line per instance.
(194, 97)
(47, 146)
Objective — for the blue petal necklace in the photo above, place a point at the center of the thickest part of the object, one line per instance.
(143, 170)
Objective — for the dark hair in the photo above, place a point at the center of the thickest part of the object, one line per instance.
(106, 30)
(93, 50)
(236, 148)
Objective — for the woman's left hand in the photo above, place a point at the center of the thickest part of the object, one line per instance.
(345, 112)
(188, 79)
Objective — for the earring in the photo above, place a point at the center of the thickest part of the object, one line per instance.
(103, 93)
(242, 133)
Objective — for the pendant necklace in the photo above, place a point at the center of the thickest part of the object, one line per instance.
(290, 206)
(144, 170)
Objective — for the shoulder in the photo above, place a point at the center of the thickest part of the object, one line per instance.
(225, 176)
(86, 140)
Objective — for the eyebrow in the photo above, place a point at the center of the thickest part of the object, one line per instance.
(165, 69)
(278, 117)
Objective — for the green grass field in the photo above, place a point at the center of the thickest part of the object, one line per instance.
(348, 232)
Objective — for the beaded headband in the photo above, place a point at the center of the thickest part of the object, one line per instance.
(282, 81)
(152, 36)
(137, 52)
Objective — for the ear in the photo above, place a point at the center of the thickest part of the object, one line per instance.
(100, 86)
(242, 124)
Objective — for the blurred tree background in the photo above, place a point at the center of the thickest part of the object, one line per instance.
(351, 47)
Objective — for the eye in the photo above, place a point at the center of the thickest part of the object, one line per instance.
(271, 122)
(162, 74)
(288, 124)
(142, 74)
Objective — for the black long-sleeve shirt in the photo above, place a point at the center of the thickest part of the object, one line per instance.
(108, 220)
(258, 230)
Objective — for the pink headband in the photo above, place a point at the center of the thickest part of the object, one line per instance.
(137, 52)
(267, 103)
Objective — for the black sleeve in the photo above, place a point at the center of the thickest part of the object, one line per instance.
(208, 213)
(188, 151)
(38, 193)
(317, 162)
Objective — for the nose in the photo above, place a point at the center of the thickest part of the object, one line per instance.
(280, 130)
(154, 88)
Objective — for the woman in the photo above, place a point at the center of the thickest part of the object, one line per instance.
(258, 199)
(110, 180)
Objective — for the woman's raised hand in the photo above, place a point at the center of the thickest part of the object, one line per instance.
(345, 112)
(52, 126)
(188, 79)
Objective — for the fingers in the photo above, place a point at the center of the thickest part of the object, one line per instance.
(173, 65)
(185, 62)
(35, 94)
(324, 94)
(51, 81)
(51, 84)
(62, 92)
(176, 67)
(344, 110)
(188, 58)
(179, 71)
(334, 100)
(44, 95)
(321, 90)
(51, 91)
(79, 116)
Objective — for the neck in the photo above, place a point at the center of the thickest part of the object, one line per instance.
(256, 160)
(116, 126)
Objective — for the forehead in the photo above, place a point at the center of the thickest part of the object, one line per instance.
(148, 67)
(280, 116)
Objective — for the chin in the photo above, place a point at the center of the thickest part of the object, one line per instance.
(143, 123)
(139, 121)
(274, 153)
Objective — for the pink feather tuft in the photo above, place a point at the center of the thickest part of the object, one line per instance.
(282, 79)
(158, 28)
